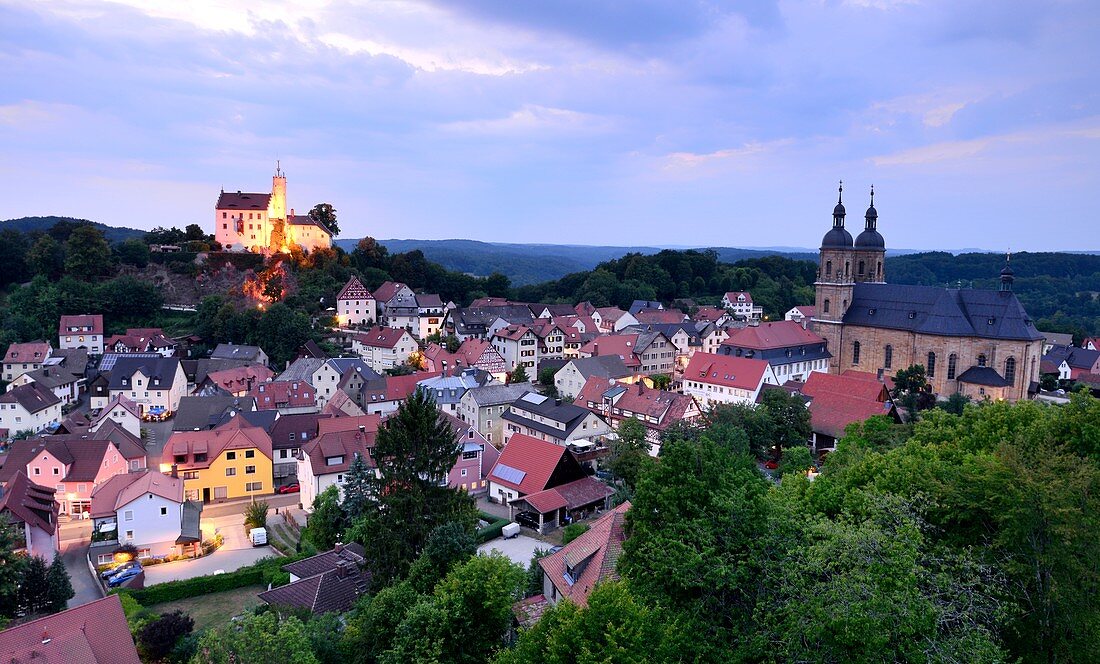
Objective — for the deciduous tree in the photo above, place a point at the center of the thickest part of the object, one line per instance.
(87, 254)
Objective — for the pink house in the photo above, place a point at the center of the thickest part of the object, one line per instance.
(471, 469)
(73, 468)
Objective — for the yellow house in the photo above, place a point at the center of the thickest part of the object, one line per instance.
(231, 461)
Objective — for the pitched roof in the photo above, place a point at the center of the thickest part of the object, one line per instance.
(392, 388)
(571, 495)
(987, 376)
(94, 633)
(326, 561)
(387, 290)
(603, 366)
(807, 310)
(343, 438)
(127, 444)
(709, 314)
(727, 370)
(1077, 358)
(732, 296)
(622, 345)
(83, 457)
(863, 386)
(198, 413)
(240, 379)
(29, 502)
(83, 323)
(236, 352)
(31, 397)
(637, 400)
(30, 352)
(778, 334)
(498, 393)
(354, 290)
(381, 337)
(590, 558)
(526, 463)
(123, 489)
(832, 412)
(233, 435)
(334, 589)
(284, 394)
(546, 409)
(658, 316)
(160, 371)
(289, 429)
(229, 200)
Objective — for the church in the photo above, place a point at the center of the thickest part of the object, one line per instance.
(979, 343)
(259, 222)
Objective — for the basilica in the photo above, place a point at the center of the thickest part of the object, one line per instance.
(980, 343)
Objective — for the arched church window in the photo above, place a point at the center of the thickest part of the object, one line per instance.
(825, 306)
(888, 360)
(981, 360)
(931, 365)
(952, 365)
(1010, 370)
(879, 269)
(828, 268)
(855, 352)
(847, 267)
(861, 270)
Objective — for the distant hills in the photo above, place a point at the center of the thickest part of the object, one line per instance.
(43, 224)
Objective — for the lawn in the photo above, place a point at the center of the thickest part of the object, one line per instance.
(215, 608)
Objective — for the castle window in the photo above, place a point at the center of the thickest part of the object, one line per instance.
(981, 360)
(225, 227)
(861, 270)
(855, 352)
(889, 357)
(952, 365)
(828, 268)
(931, 365)
(825, 306)
(224, 215)
(1010, 370)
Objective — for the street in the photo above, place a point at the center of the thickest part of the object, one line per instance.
(156, 435)
(75, 556)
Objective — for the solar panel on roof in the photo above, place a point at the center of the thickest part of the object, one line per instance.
(508, 473)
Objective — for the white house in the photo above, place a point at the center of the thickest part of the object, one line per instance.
(571, 378)
(22, 358)
(715, 379)
(518, 345)
(355, 305)
(28, 408)
(123, 411)
(146, 509)
(156, 385)
(83, 331)
(325, 460)
(740, 303)
(384, 347)
(58, 380)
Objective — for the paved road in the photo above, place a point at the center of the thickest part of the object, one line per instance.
(237, 506)
(75, 556)
(157, 434)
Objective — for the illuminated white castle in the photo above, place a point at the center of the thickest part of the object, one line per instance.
(260, 223)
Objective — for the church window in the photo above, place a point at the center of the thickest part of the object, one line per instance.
(880, 269)
(981, 360)
(861, 269)
(952, 365)
(825, 306)
(931, 365)
(889, 359)
(1010, 370)
(828, 268)
(855, 352)
(847, 267)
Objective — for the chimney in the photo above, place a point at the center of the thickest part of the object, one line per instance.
(175, 471)
(342, 569)
(338, 548)
(595, 349)
(362, 428)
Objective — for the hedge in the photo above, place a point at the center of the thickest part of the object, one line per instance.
(491, 531)
(263, 572)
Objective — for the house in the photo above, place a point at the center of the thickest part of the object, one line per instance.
(93, 633)
(528, 465)
(155, 385)
(1051, 339)
(141, 340)
(231, 461)
(476, 457)
(547, 419)
(328, 376)
(612, 319)
(483, 408)
(330, 582)
(660, 316)
(250, 354)
(286, 396)
(121, 410)
(62, 374)
(715, 379)
(1091, 343)
(146, 509)
(638, 305)
(325, 460)
(562, 504)
(288, 435)
(429, 311)
(74, 467)
(237, 382)
(383, 395)
(647, 353)
(129, 446)
(574, 570)
(739, 303)
(83, 331)
(571, 378)
(21, 358)
(1072, 362)
(28, 408)
(397, 306)
(343, 405)
(447, 389)
(792, 350)
(355, 305)
(801, 314)
(837, 401)
(518, 345)
(201, 413)
(246, 221)
(657, 410)
(32, 510)
(384, 347)
(473, 353)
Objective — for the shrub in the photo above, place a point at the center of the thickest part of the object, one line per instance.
(255, 515)
(572, 532)
(158, 637)
(491, 531)
(263, 572)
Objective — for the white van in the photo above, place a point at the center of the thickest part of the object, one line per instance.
(258, 536)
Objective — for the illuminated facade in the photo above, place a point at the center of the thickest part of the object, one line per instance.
(260, 223)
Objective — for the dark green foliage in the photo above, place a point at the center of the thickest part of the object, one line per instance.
(255, 515)
(519, 375)
(955, 403)
(158, 637)
(281, 331)
(372, 625)
(133, 252)
(11, 567)
(257, 639)
(259, 573)
(357, 498)
(34, 587)
(573, 531)
(534, 573)
(328, 520)
(795, 460)
(46, 258)
(60, 587)
(448, 545)
(491, 531)
(325, 214)
(87, 254)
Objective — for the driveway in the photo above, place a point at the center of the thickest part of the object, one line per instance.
(520, 549)
(237, 552)
(75, 556)
(157, 434)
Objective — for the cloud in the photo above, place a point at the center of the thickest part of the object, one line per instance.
(533, 121)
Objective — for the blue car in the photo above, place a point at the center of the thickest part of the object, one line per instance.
(121, 577)
(108, 573)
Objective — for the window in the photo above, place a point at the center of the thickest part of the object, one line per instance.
(248, 454)
(828, 268)
(888, 361)
(254, 486)
(231, 456)
(1010, 370)
(861, 270)
(952, 365)
(931, 365)
(191, 475)
(128, 515)
(855, 352)
(825, 308)
(56, 471)
(981, 360)
(221, 493)
(464, 472)
(129, 534)
(230, 472)
(164, 511)
(250, 470)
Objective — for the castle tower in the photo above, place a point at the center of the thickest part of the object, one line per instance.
(277, 208)
(833, 287)
(870, 249)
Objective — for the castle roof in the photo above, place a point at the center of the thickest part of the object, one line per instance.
(242, 201)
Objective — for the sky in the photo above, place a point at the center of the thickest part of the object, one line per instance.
(641, 122)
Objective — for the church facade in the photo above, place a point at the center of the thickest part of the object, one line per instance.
(976, 342)
(260, 223)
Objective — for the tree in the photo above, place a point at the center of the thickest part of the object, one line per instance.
(11, 568)
(357, 498)
(372, 625)
(193, 233)
(534, 572)
(448, 545)
(59, 585)
(159, 636)
(790, 418)
(325, 214)
(34, 587)
(255, 515)
(629, 452)
(281, 331)
(911, 389)
(661, 381)
(87, 254)
(326, 524)
(519, 375)
(414, 451)
(756, 423)
(956, 403)
(46, 258)
(573, 531)
(256, 639)
(128, 298)
(133, 252)
(369, 255)
(13, 255)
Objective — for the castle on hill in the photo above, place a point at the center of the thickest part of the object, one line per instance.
(259, 222)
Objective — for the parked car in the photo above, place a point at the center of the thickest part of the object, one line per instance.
(771, 464)
(125, 575)
(111, 571)
(289, 488)
(258, 536)
(528, 519)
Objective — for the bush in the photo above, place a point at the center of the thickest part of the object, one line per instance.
(159, 637)
(255, 515)
(200, 585)
(572, 532)
(491, 531)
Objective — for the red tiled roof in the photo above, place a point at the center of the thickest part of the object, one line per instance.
(732, 296)
(831, 413)
(381, 337)
(536, 458)
(622, 345)
(819, 383)
(572, 495)
(79, 322)
(82, 458)
(94, 633)
(235, 434)
(283, 394)
(766, 336)
(354, 290)
(387, 290)
(807, 310)
(708, 314)
(667, 407)
(30, 352)
(528, 611)
(726, 370)
(513, 332)
(239, 379)
(398, 388)
(867, 375)
(341, 437)
(29, 502)
(597, 550)
(660, 316)
(120, 490)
